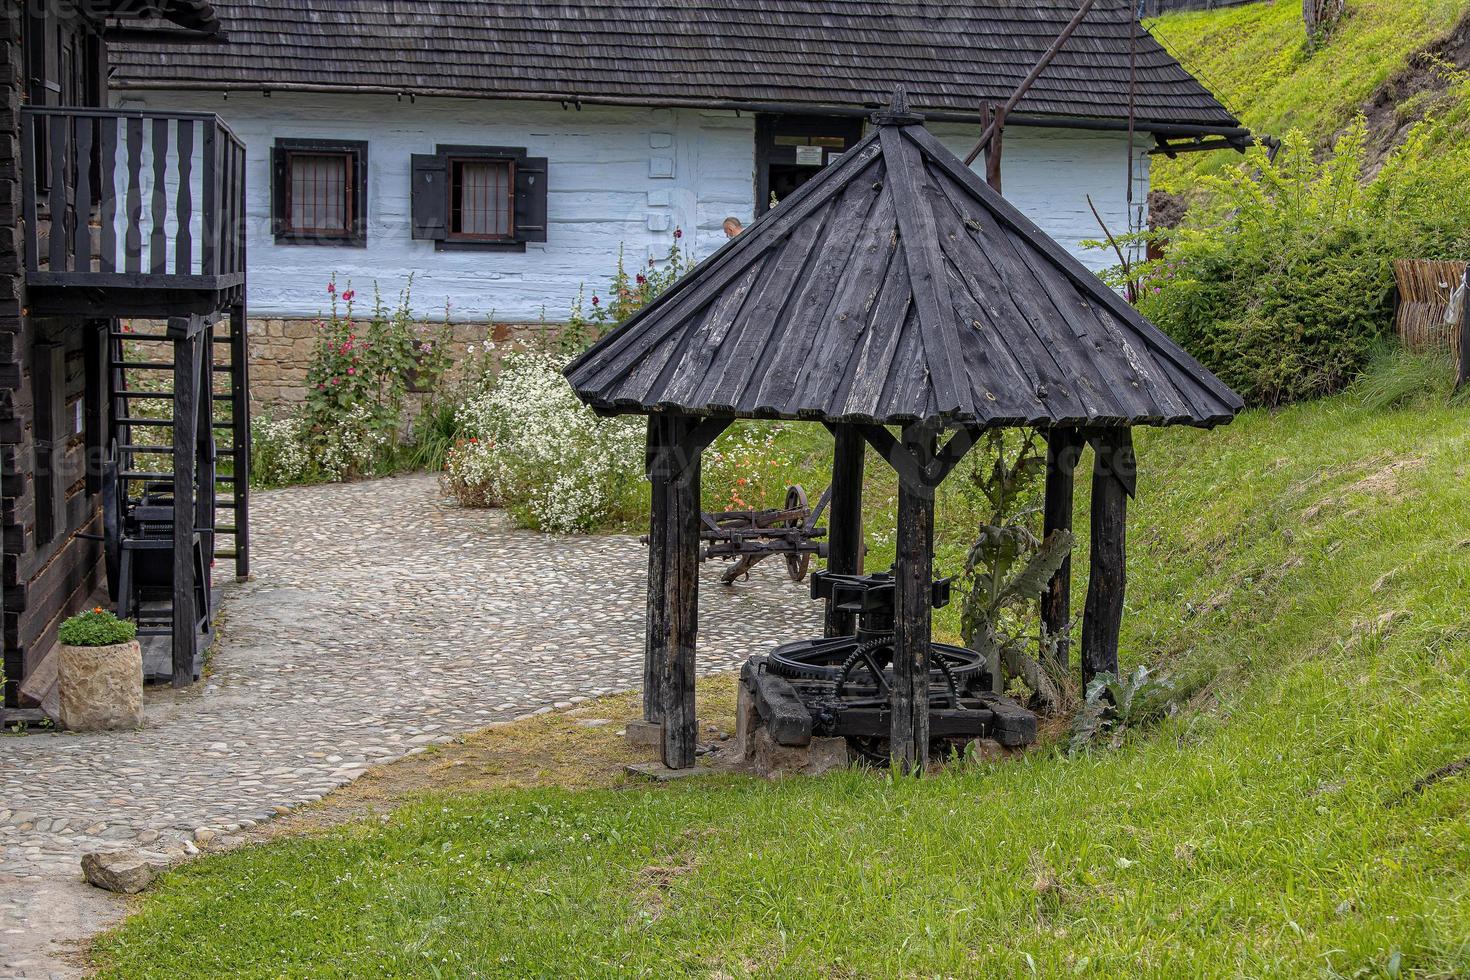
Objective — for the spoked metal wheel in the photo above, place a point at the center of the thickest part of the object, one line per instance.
(797, 565)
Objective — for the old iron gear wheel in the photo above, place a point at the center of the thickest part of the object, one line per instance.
(822, 660)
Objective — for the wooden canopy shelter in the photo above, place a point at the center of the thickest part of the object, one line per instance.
(895, 289)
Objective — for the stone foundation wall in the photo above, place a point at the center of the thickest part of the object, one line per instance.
(281, 350)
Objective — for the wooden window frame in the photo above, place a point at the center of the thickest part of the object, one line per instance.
(454, 160)
(431, 198)
(354, 231)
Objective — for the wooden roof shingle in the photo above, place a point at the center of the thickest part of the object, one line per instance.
(805, 54)
(896, 286)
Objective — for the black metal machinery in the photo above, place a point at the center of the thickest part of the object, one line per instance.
(844, 683)
(747, 537)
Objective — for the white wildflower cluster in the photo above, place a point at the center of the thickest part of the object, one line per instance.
(528, 444)
(353, 445)
(278, 450)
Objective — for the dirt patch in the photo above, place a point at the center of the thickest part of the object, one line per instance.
(1376, 484)
(1415, 91)
(581, 747)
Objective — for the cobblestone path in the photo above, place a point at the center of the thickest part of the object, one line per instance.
(379, 619)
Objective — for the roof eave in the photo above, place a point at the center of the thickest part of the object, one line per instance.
(1030, 119)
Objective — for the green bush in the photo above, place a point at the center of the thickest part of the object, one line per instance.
(1281, 280)
(96, 628)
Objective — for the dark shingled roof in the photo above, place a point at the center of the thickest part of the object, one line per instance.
(195, 15)
(817, 54)
(892, 287)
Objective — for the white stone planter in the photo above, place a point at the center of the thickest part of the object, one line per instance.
(101, 687)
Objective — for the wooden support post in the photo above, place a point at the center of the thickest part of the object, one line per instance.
(1112, 482)
(1462, 375)
(654, 641)
(240, 437)
(204, 450)
(913, 604)
(675, 445)
(1063, 447)
(681, 584)
(845, 519)
(994, 151)
(186, 418)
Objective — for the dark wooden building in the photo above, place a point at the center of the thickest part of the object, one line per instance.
(901, 302)
(107, 215)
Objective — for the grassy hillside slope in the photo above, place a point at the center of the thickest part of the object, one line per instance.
(1254, 57)
(1311, 567)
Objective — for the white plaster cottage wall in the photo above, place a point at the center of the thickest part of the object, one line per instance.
(616, 175)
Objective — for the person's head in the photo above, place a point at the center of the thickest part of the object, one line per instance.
(733, 226)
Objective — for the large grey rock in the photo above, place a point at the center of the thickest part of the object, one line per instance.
(747, 720)
(820, 755)
(124, 872)
(101, 687)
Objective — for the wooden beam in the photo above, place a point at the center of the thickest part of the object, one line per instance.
(1063, 448)
(187, 363)
(845, 521)
(1112, 478)
(1041, 65)
(913, 607)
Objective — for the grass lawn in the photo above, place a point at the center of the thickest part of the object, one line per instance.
(1255, 59)
(1305, 574)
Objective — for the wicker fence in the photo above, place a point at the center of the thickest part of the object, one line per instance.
(1425, 289)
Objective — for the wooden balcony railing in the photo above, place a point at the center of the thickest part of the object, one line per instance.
(132, 200)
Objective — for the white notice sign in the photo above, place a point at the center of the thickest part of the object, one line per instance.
(809, 156)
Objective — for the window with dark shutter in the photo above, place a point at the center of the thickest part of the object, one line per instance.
(482, 200)
(490, 198)
(319, 192)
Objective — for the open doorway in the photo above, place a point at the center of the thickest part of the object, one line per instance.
(791, 149)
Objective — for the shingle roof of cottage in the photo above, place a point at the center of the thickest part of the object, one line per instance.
(755, 54)
(895, 286)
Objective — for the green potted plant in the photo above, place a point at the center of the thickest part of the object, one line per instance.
(100, 671)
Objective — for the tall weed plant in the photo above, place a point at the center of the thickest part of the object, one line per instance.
(1281, 280)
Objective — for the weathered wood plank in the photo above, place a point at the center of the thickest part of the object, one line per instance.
(158, 239)
(81, 243)
(133, 208)
(184, 201)
(107, 140)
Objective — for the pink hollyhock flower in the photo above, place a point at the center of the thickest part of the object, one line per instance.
(332, 288)
(349, 294)
(352, 370)
(678, 233)
(596, 301)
